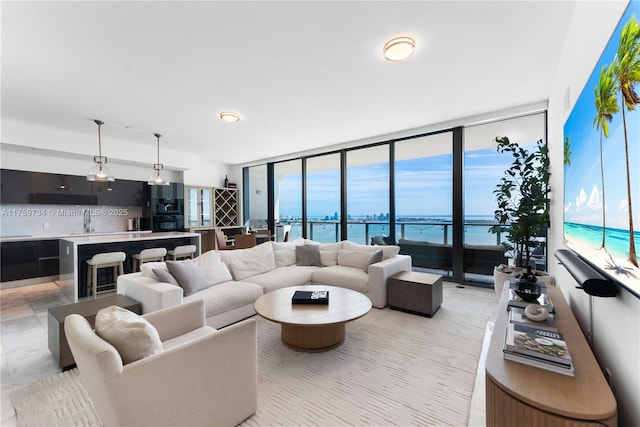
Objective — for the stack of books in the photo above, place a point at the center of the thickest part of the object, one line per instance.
(538, 344)
(310, 297)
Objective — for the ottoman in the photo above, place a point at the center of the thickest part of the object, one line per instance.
(415, 292)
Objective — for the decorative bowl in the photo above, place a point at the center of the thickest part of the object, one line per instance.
(528, 291)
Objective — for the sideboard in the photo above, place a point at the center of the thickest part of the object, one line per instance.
(522, 395)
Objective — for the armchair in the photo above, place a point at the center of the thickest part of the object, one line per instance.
(203, 376)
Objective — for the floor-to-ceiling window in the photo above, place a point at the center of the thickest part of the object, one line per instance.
(288, 197)
(323, 198)
(484, 166)
(255, 197)
(367, 193)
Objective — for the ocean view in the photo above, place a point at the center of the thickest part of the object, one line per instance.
(431, 228)
(590, 236)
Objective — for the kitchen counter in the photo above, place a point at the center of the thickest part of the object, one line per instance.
(28, 237)
(75, 250)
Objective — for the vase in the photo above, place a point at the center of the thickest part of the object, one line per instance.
(503, 272)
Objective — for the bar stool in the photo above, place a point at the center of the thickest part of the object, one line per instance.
(114, 260)
(146, 255)
(181, 252)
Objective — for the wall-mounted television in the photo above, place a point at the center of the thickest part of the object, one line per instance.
(602, 160)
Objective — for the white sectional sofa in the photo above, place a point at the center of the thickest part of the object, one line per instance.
(230, 281)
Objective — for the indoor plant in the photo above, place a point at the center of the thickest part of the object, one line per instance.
(522, 198)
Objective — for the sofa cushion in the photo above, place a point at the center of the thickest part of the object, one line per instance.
(189, 276)
(388, 251)
(147, 269)
(244, 254)
(308, 255)
(283, 276)
(355, 259)
(132, 335)
(165, 276)
(343, 276)
(216, 273)
(285, 257)
(260, 263)
(227, 296)
(207, 258)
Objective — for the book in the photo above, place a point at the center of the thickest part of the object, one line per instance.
(516, 315)
(310, 297)
(542, 344)
(535, 362)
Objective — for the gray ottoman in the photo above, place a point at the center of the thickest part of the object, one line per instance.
(415, 292)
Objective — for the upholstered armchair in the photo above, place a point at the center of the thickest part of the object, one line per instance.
(200, 376)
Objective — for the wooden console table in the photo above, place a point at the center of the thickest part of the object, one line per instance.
(522, 395)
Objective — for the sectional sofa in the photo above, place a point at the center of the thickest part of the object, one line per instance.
(230, 281)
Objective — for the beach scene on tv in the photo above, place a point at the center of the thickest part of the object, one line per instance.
(602, 159)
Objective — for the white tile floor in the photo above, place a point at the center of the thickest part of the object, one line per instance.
(25, 355)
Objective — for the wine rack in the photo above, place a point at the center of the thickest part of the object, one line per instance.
(226, 207)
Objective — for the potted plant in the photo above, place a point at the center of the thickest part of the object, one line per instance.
(522, 211)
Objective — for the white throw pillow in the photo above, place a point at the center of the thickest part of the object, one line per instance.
(147, 269)
(355, 259)
(207, 258)
(216, 273)
(247, 267)
(387, 251)
(264, 249)
(133, 336)
(329, 253)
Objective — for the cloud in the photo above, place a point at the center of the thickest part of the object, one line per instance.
(594, 199)
(582, 197)
(623, 206)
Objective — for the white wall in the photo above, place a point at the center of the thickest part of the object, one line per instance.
(616, 321)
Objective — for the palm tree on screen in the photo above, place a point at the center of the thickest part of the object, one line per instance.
(606, 106)
(627, 70)
(567, 151)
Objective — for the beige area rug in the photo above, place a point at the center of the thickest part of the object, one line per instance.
(393, 369)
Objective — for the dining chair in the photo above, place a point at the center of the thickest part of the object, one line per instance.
(244, 241)
(222, 242)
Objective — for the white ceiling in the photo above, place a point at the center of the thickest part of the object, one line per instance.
(303, 75)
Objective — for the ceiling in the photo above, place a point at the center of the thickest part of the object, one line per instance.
(303, 75)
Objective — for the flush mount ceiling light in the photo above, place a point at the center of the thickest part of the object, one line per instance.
(399, 48)
(99, 172)
(157, 178)
(229, 116)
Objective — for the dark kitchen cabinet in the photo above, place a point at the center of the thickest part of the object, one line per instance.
(106, 193)
(131, 193)
(16, 186)
(29, 259)
(79, 191)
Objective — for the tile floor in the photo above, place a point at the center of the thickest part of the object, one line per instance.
(25, 357)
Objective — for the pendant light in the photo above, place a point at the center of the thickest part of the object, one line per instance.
(157, 177)
(100, 172)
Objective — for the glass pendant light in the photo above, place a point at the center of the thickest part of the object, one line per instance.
(157, 178)
(100, 172)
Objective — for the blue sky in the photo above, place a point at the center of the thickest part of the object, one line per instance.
(582, 179)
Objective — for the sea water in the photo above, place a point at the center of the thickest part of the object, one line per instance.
(616, 240)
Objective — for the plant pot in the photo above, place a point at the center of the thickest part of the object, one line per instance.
(503, 272)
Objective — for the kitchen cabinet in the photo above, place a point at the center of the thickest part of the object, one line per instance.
(28, 259)
(16, 186)
(131, 193)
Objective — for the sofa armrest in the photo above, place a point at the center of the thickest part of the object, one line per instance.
(178, 320)
(380, 272)
(151, 294)
(211, 380)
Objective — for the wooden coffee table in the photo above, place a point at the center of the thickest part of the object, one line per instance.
(309, 327)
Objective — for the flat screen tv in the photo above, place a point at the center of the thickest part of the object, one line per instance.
(602, 160)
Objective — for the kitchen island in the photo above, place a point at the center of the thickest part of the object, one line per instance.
(75, 251)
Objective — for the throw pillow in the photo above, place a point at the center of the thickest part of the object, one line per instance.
(147, 269)
(132, 336)
(355, 259)
(216, 273)
(188, 275)
(329, 253)
(165, 276)
(387, 251)
(374, 257)
(308, 255)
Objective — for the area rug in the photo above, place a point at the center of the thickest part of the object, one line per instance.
(394, 368)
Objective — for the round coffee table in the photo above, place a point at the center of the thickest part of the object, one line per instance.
(311, 327)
